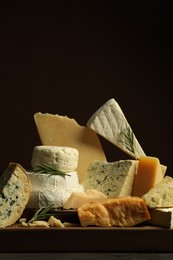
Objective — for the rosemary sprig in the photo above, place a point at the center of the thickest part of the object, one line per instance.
(42, 213)
(47, 169)
(129, 139)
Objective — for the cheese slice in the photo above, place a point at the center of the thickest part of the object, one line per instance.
(15, 191)
(77, 199)
(114, 179)
(62, 131)
(109, 122)
(161, 195)
(124, 212)
(149, 173)
(162, 217)
(62, 158)
(52, 189)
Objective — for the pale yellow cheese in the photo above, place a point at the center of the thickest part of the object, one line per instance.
(149, 173)
(63, 131)
(77, 199)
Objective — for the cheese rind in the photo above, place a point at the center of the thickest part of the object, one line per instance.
(161, 195)
(149, 173)
(56, 130)
(62, 158)
(114, 179)
(162, 217)
(109, 122)
(52, 189)
(14, 194)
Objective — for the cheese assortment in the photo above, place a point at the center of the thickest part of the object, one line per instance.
(15, 191)
(70, 171)
(53, 187)
(114, 179)
(110, 122)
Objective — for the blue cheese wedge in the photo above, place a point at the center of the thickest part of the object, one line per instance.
(161, 195)
(109, 122)
(114, 179)
(15, 191)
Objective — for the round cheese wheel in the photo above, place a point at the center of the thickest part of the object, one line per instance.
(63, 158)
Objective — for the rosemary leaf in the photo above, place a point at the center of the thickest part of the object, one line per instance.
(42, 213)
(129, 139)
(47, 169)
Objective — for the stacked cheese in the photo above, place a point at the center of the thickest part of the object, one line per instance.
(53, 189)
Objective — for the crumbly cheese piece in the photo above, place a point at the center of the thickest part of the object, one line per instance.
(63, 131)
(125, 211)
(161, 195)
(52, 189)
(15, 191)
(149, 173)
(54, 222)
(77, 199)
(62, 158)
(109, 122)
(162, 217)
(114, 179)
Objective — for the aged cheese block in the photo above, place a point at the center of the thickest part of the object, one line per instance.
(63, 131)
(52, 189)
(77, 199)
(126, 211)
(15, 191)
(109, 122)
(149, 173)
(162, 217)
(114, 179)
(161, 195)
(62, 158)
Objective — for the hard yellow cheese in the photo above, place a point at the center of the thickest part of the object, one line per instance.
(63, 131)
(149, 173)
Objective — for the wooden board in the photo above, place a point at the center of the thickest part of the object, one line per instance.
(90, 239)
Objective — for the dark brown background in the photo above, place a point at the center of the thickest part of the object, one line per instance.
(69, 60)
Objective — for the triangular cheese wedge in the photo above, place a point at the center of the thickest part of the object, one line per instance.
(59, 130)
(110, 122)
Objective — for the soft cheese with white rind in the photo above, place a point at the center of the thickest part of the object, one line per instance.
(56, 197)
(161, 195)
(109, 122)
(62, 158)
(114, 179)
(43, 182)
(14, 194)
(52, 189)
(162, 217)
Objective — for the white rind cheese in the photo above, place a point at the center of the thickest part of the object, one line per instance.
(52, 189)
(56, 197)
(114, 179)
(14, 195)
(162, 217)
(161, 195)
(63, 158)
(110, 122)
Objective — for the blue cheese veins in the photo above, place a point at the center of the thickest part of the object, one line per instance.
(114, 179)
(14, 196)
